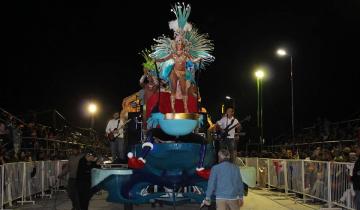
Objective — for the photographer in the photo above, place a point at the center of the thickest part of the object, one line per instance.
(83, 178)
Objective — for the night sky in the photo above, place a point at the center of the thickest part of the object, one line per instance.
(61, 54)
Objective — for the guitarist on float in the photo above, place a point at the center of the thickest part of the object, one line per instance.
(115, 134)
(226, 127)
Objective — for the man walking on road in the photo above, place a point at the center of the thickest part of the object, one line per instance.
(225, 183)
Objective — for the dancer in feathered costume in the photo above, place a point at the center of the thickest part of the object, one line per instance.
(176, 57)
(177, 60)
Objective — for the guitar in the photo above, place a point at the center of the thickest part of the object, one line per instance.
(112, 135)
(224, 133)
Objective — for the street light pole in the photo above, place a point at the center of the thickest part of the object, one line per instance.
(92, 108)
(261, 113)
(282, 53)
(292, 99)
(259, 76)
(258, 101)
(92, 121)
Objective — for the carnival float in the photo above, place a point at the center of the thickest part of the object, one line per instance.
(173, 162)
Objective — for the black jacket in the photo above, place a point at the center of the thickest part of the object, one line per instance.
(84, 172)
(356, 175)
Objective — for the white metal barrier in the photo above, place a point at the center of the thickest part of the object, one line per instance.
(277, 170)
(316, 179)
(252, 162)
(320, 180)
(50, 171)
(295, 175)
(263, 172)
(22, 180)
(13, 182)
(342, 191)
(60, 166)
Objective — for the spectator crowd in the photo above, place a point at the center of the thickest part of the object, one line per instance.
(325, 141)
(21, 141)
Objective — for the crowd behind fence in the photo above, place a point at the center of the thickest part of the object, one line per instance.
(308, 179)
(339, 151)
(32, 141)
(22, 181)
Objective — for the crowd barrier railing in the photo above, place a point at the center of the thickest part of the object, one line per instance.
(320, 180)
(21, 181)
(54, 145)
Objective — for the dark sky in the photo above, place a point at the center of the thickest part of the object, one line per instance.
(61, 54)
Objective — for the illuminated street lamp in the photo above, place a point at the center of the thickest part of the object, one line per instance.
(282, 53)
(233, 101)
(259, 74)
(92, 109)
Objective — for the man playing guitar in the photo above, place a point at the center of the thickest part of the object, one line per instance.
(115, 133)
(227, 126)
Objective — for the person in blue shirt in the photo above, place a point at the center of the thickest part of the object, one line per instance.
(225, 183)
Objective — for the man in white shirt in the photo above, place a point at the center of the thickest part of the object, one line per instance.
(115, 133)
(227, 125)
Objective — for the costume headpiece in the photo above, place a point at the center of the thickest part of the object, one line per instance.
(182, 13)
(149, 62)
